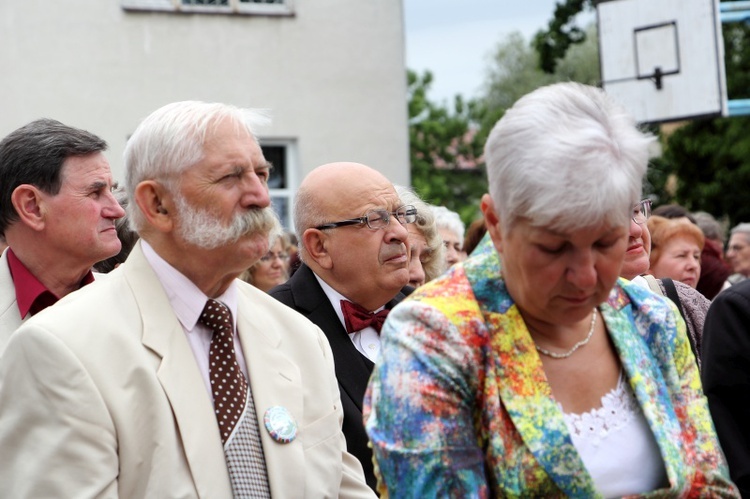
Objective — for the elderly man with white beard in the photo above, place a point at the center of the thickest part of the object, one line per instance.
(171, 378)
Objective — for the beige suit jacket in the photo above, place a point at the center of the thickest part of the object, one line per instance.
(10, 317)
(100, 396)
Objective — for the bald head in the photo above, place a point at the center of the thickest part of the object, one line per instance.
(335, 184)
(342, 172)
(368, 266)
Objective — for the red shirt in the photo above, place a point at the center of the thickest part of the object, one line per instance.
(31, 295)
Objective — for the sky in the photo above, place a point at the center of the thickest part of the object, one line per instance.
(454, 39)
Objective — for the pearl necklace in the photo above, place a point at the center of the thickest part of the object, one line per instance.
(578, 345)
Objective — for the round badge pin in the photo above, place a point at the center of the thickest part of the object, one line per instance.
(280, 424)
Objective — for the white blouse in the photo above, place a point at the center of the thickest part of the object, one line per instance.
(617, 445)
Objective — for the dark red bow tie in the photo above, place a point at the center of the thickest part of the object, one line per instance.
(357, 318)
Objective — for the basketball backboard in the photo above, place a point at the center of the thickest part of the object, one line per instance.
(663, 59)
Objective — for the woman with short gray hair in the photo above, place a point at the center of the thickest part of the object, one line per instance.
(530, 369)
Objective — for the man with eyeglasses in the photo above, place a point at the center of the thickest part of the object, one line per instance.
(350, 224)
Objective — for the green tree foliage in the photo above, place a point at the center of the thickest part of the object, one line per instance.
(445, 149)
(446, 142)
(553, 43)
(581, 62)
(737, 60)
(705, 166)
(514, 70)
(711, 161)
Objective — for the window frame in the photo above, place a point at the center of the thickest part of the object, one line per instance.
(234, 7)
(291, 180)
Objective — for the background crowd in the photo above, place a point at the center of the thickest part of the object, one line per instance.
(573, 341)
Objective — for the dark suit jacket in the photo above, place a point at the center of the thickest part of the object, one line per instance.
(726, 377)
(303, 293)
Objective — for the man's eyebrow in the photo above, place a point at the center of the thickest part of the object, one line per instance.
(102, 184)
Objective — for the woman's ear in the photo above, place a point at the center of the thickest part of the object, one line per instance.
(492, 221)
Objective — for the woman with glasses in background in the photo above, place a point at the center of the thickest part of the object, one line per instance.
(272, 269)
(691, 304)
(531, 369)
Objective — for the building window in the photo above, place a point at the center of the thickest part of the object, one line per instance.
(250, 7)
(226, 2)
(283, 179)
(205, 2)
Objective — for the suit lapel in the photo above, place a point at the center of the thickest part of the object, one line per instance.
(274, 381)
(646, 380)
(181, 379)
(352, 368)
(10, 317)
(527, 397)
(399, 297)
(522, 383)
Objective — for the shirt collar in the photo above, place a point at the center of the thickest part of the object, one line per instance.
(186, 299)
(641, 281)
(335, 298)
(31, 295)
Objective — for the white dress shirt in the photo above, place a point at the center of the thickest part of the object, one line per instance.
(641, 281)
(187, 302)
(366, 341)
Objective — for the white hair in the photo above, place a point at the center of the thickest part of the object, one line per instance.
(434, 265)
(171, 139)
(742, 228)
(566, 156)
(447, 219)
(712, 228)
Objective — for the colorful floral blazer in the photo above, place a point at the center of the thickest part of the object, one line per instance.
(459, 406)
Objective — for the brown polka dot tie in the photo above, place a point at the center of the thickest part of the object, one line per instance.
(228, 385)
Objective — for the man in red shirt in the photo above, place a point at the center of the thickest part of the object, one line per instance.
(57, 216)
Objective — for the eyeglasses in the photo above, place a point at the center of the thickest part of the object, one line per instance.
(642, 211)
(377, 219)
(271, 256)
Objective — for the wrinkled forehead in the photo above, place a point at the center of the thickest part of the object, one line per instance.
(360, 198)
(85, 169)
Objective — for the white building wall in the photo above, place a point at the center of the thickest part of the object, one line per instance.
(332, 74)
